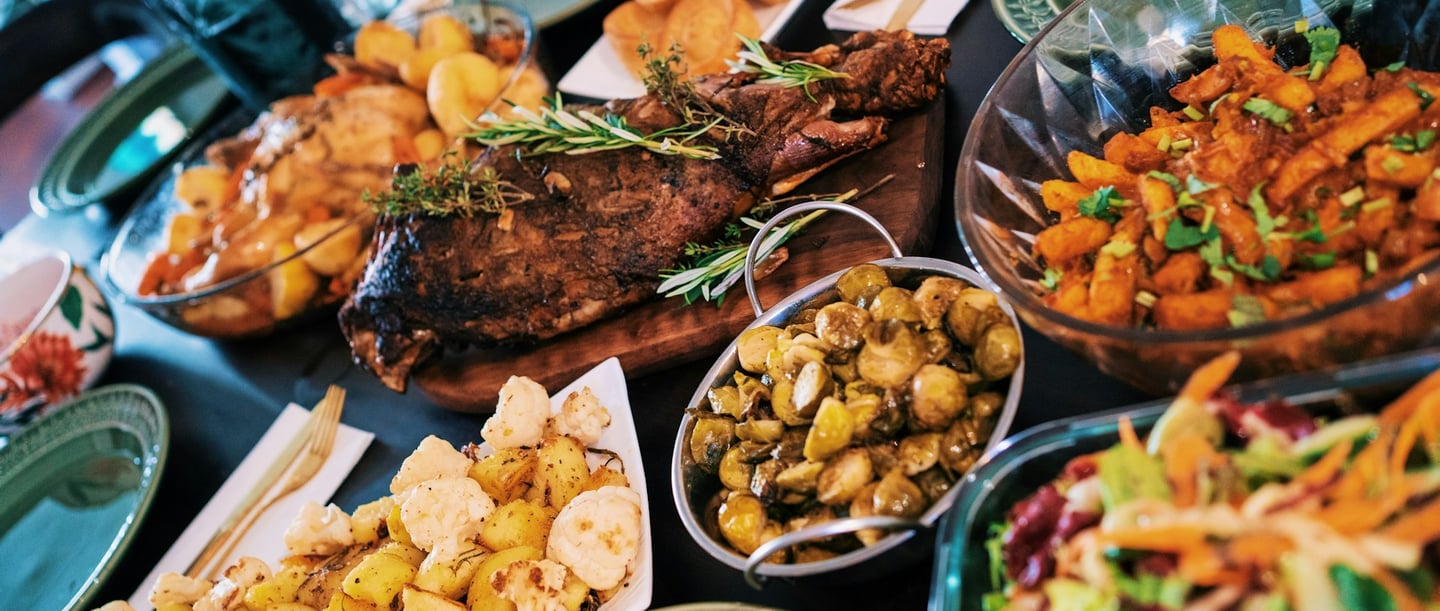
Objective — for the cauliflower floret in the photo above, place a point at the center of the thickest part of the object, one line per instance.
(319, 529)
(229, 592)
(433, 458)
(582, 417)
(520, 415)
(532, 584)
(597, 535)
(442, 514)
(177, 589)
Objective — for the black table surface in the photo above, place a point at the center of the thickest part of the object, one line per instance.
(222, 396)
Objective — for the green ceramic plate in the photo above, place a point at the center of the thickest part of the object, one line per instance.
(1025, 18)
(77, 484)
(131, 133)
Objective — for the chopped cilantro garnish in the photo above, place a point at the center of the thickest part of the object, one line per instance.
(1424, 138)
(1395, 67)
(1169, 178)
(1118, 248)
(1195, 186)
(1322, 260)
(1245, 310)
(1425, 98)
(1269, 111)
(1051, 281)
(1212, 252)
(1324, 42)
(1267, 271)
(1098, 204)
(1223, 275)
(1404, 143)
(1263, 223)
(1179, 235)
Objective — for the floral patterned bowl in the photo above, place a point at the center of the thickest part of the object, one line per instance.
(56, 338)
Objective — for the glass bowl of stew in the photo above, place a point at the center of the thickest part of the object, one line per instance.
(1097, 71)
(240, 265)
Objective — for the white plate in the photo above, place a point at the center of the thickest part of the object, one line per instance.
(600, 74)
(607, 381)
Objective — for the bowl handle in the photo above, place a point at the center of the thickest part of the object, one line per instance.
(762, 239)
(818, 531)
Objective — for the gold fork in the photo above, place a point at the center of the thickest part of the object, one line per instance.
(320, 440)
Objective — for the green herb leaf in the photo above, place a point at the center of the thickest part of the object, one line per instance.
(1324, 42)
(1195, 186)
(1425, 98)
(556, 129)
(1169, 178)
(1127, 473)
(1118, 248)
(1424, 138)
(1395, 67)
(448, 189)
(1180, 235)
(1358, 591)
(794, 73)
(1264, 224)
(1098, 204)
(1268, 110)
(1245, 310)
(1319, 260)
(1267, 271)
(1212, 252)
(1051, 281)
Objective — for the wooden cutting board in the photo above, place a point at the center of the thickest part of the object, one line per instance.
(666, 332)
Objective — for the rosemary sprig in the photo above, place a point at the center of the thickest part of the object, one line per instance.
(449, 189)
(557, 130)
(790, 73)
(714, 268)
(662, 77)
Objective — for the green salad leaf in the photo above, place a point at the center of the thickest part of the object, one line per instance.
(1128, 473)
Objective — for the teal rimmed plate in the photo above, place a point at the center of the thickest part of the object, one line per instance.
(131, 133)
(1025, 18)
(76, 485)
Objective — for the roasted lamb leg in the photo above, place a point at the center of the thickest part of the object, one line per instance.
(601, 226)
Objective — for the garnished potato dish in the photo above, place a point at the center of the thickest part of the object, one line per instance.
(1236, 505)
(522, 522)
(1276, 190)
(873, 401)
(294, 181)
(704, 29)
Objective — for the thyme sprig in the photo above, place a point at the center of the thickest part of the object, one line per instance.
(450, 189)
(663, 78)
(556, 129)
(715, 267)
(789, 73)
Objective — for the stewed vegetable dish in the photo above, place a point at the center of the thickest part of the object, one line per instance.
(872, 401)
(1272, 193)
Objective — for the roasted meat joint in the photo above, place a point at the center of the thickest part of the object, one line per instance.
(569, 213)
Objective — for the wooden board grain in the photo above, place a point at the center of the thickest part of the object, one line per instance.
(665, 333)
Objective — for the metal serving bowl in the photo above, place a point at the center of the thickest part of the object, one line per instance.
(909, 539)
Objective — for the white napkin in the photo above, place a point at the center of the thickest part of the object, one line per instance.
(266, 538)
(932, 19)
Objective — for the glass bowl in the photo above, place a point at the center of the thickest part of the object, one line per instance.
(265, 297)
(1029, 460)
(1095, 71)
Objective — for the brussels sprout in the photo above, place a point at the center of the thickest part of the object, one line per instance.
(725, 400)
(891, 354)
(843, 476)
(831, 431)
(960, 446)
(895, 303)
(742, 521)
(974, 310)
(710, 439)
(812, 384)
(842, 324)
(791, 448)
(935, 296)
(884, 457)
(938, 345)
(896, 495)
(763, 482)
(754, 346)
(985, 405)
(919, 453)
(862, 282)
(937, 397)
(735, 472)
(998, 353)
(802, 477)
(782, 401)
(934, 482)
(756, 429)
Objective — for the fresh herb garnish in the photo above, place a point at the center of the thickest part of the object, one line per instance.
(1267, 271)
(1100, 203)
(1264, 224)
(1051, 281)
(1195, 186)
(1425, 98)
(449, 189)
(1245, 310)
(1269, 111)
(1395, 67)
(1169, 178)
(1324, 42)
(1319, 260)
(792, 73)
(558, 130)
(1179, 235)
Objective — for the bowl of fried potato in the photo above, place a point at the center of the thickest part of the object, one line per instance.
(1153, 184)
(266, 220)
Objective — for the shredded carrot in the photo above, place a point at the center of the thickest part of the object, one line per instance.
(1401, 409)
(1325, 469)
(1127, 434)
(1353, 516)
(1419, 526)
(1258, 549)
(1367, 470)
(1204, 566)
(1209, 377)
(1185, 458)
(1399, 593)
(1159, 538)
